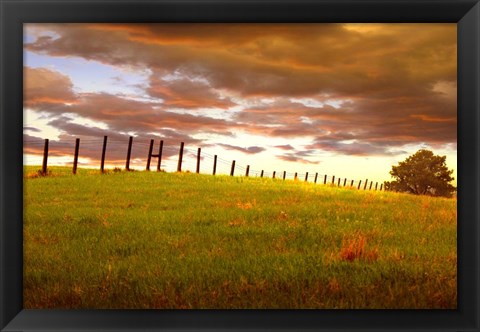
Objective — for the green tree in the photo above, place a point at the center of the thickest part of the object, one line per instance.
(423, 173)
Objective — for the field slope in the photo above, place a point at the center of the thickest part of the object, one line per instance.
(181, 240)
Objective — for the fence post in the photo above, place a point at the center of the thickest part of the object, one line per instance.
(180, 157)
(351, 184)
(160, 151)
(198, 159)
(214, 164)
(306, 177)
(233, 168)
(376, 185)
(273, 176)
(333, 179)
(365, 186)
(370, 188)
(316, 176)
(338, 183)
(284, 174)
(359, 184)
(45, 157)
(325, 179)
(247, 171)
(102, 164)
(149, 159)
(129, 153)
(261, 174)
(75, 158)
(381, 185)
(344, 182)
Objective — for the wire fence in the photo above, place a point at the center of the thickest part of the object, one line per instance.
(128, 152)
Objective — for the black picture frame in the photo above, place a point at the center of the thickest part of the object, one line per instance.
(14, 13)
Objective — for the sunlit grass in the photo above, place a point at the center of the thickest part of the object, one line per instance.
(182, 240)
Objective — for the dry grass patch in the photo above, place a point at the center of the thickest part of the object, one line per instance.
(246, 205)
(237, 222)
(36, 174)
(334, 285)
(354, 248)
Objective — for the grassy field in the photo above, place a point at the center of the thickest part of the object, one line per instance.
(181, 240)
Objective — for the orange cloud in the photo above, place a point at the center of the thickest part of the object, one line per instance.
(45, 86)
(433, 119)
(185, 93)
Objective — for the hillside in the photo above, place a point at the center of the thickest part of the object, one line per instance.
(183, 240)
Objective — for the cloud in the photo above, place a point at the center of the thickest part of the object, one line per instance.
(354, 148)
(381, 125)
(284, 147)
(187, 94)
(299, 155)
(30, 128)
(292, 157)
(391, 84)
(247, 150)
(121, 114)
(270, 59)
(46, 88)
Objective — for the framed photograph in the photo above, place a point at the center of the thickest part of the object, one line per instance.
(253, 165)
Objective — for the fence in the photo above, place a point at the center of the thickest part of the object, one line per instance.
(200, 156)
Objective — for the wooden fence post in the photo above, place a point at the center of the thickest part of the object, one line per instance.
(376, 185)
(129, 153)
(214, 164)
(198, 159)
(180, 157)
(381, 186)
(333, 179)
(284, 174)
(344, 182)
(273, 175)
(149, 159)
(75, 157)
(325, 179)
(247, 171)
(160, 151)
(306, 177)
(296, 176)
(351, 184)
(370, 188)
(233, 168)
(316, 176)
(45, 157)
(359, 184)
(261, 174)
(338, 183)
(102, 164)
(365, 186)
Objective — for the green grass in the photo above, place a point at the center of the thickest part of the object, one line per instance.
(181, 240)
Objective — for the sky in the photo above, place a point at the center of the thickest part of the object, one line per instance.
(349, 100)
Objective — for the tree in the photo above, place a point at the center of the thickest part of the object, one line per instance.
(422, 173)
